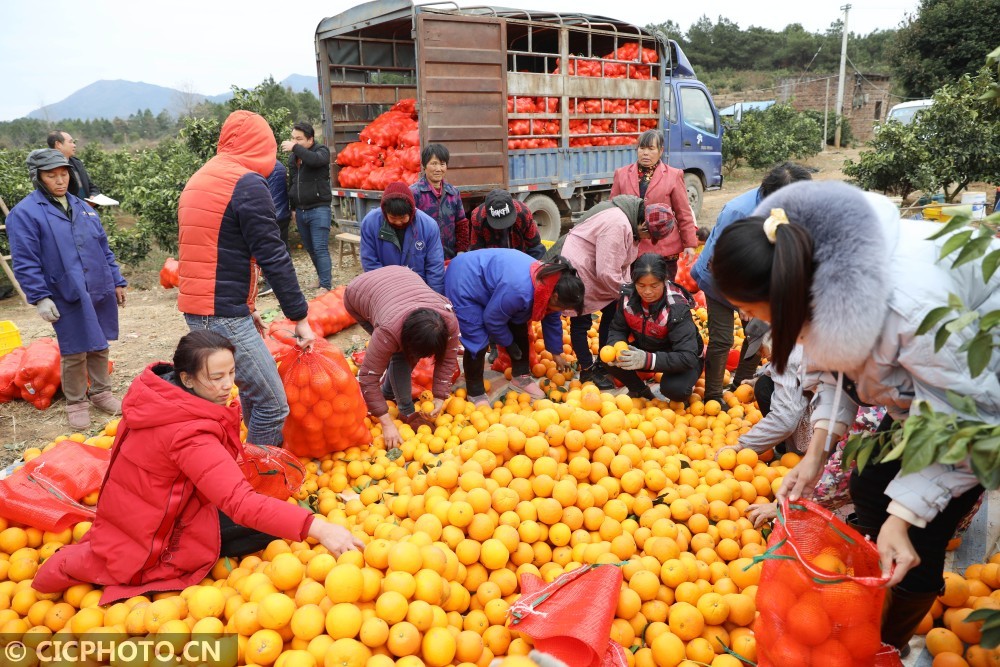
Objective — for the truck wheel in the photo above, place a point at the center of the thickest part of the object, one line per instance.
(546, 215)
(694, 190)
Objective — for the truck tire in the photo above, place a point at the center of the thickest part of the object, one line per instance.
(692, 182)
(546, 215)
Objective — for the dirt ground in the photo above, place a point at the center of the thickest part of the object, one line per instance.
(150, 324)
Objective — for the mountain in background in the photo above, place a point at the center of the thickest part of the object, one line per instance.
(119, 98)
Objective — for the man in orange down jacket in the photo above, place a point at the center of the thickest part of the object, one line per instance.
(228, 233)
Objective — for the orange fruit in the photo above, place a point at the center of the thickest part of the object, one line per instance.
(668, 650)
(263, 647)
(949, 660)
(685, 621)
(942, 640)
(956, 590)
(404, 639)
(275, 610)
(438, 647)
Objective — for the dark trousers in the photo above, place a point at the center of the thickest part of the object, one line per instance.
(763, 389)
(720, 341)
(930, 542)
(283, 228)
(580, 325)
(239, 540)
(474, 364)
(675, 386)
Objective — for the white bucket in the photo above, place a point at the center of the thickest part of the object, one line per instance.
(978, 201)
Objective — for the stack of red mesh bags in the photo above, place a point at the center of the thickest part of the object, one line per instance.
(388, 151)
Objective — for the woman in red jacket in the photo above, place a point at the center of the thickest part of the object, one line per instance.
(173, 479)
(657, 183)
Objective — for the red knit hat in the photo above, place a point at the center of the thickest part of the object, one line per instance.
(398, 190)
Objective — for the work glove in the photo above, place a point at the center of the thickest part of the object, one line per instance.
(47, 310)
(633, 359)
(514, 351)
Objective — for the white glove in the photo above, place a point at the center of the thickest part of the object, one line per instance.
(632, 359)
(47, 310)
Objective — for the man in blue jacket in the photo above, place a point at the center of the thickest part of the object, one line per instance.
(398, 233)
(720, 311)
(278, 185)
(68, 272)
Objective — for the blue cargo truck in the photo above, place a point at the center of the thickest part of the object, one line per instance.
(503, 90)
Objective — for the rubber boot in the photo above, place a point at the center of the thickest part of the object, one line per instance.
(902, 614)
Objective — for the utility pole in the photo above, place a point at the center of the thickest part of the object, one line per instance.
(838, 115)
(826, 115)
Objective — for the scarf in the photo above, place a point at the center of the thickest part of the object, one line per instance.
(543, 292)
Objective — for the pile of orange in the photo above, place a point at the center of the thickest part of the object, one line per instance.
(452, 519)
(953, 640)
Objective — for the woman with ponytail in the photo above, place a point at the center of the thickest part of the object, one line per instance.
(835, 269)
(496, 292)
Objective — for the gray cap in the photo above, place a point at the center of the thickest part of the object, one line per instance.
(45, 159)
(753, 335)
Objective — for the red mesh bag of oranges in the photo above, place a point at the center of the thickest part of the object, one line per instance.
(820, 593)
(326, 409)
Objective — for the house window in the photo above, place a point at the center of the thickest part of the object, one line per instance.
(878, 110)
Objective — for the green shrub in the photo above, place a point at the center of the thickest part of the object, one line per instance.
(762, 139)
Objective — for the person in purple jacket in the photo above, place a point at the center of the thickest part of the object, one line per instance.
(441, 200)
(407, 321)
(496, 292)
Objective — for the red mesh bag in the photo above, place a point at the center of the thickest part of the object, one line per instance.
(272, 471)
(326, 409)
(9, 365)
(39, 376)
(46, 491)
(170, 273)
(571, 617)
(820, 593)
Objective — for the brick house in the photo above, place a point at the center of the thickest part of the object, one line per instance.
(866, 98)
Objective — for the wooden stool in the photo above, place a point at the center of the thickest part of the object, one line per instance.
(348, 246)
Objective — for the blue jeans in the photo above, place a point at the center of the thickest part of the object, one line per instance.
(398, 382)
(261, 392)
(314, 229)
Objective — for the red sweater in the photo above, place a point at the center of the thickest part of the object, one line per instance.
(665, 187)
(384, 298)
(173, 467)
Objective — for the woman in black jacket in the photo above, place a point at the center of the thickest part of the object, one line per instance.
(310, 194)
(655, 315)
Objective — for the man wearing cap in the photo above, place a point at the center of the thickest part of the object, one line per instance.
(502, 222)
(399, 234)
(67, 271)
(65, 144)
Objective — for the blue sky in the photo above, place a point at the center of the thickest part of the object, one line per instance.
(49, 51)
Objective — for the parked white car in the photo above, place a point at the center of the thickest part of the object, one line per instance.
(907, 111)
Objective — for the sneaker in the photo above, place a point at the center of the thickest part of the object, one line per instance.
(481, 401)
(528, 385)
(265, 289)
(599, 379)
(106, 402)
(78, 415)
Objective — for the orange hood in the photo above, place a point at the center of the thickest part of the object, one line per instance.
(247, 138)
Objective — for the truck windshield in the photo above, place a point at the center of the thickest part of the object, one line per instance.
(698, 109)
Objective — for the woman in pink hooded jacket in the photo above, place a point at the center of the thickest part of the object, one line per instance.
(602, 247)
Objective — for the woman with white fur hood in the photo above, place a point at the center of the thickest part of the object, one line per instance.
(836, 270)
